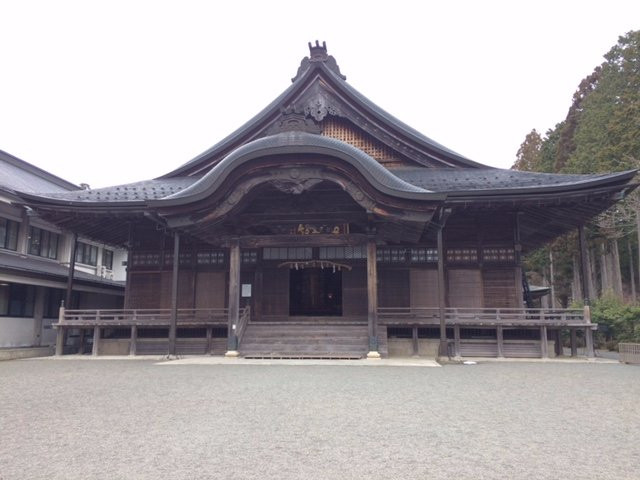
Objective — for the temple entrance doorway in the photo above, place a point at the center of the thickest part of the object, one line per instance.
(315, 292)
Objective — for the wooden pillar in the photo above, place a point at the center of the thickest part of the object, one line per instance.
(544, 350)
(559, 348)
(72, 267)
(209, 340)
(586, 294)
(134, 340)
(372, 298)
(81, 346)
(173, 322)
(443, 349)
(127, 285)
(500, 341)
(456, 340)
(60, 334)
(414, 341)
(234, 299)
(588, 334)
(38, 316)
(96, 340)
(517, 250)
(584, 266)
(256, 309)
(60, 337)
(574, 342)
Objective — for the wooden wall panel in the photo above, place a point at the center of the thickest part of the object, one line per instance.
(211, 289)
(424, 287)
(354, 291)
(144, 290)
(275, 291)
(186, 287)
(465, 288)
(393, 288)
(500, 288)
(164, 296)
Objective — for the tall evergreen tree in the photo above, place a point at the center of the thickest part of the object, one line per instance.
(528, 156)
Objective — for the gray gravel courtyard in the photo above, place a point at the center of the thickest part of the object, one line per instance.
(133, 419)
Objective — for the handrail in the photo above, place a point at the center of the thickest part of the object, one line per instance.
(245, 314)
(156, 317)
(479, 316)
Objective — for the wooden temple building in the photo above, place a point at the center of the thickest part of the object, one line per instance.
(325, 227)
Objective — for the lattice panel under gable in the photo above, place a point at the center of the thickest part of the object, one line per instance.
(345, 131)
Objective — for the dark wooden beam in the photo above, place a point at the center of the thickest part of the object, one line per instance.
(72, 267)
(174, 294)
(586, 294)
(96, 340)
(544, 350)
(299, 240)
(133, 340)
(127, 287)
(500, 340)
(372, 298)
(414, 341)
(234, 299)
(584, 265)
(443, 349)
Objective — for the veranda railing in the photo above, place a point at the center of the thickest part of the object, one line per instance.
(141, 317)
(482, 316)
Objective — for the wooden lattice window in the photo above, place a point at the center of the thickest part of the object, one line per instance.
(498, 255)
(212, 257)
(391, 255)
(287, 253)
(332, 253)
(145, 259)
(348, 133)
(185, 258)
(249, 256)
(424, 255)
(462, 255)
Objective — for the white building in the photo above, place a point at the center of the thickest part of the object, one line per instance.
(35, 258)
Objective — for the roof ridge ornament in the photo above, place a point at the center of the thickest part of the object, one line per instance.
(318, 54)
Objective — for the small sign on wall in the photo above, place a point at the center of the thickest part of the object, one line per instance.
(246, 290)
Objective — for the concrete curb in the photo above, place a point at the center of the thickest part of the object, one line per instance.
(24, 352)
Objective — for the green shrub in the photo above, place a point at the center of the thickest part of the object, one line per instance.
(622, 319)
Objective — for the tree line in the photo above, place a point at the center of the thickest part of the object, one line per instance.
(601, 133)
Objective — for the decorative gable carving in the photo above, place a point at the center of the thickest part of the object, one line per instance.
(320, 105)
(291, 121)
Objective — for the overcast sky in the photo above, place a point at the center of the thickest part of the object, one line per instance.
(112, 92)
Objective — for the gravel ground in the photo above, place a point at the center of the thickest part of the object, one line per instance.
(123, 419)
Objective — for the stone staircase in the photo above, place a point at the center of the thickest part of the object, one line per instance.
(308, 340)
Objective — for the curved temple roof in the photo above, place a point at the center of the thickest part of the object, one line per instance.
(418, 169)
(300, 143)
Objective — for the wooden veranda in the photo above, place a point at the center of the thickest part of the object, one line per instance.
(544, 321)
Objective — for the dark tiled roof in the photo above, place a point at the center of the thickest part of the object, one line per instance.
(418, 179)
(130, 192)
(25, 263)
(449, 180)
(18, 175)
